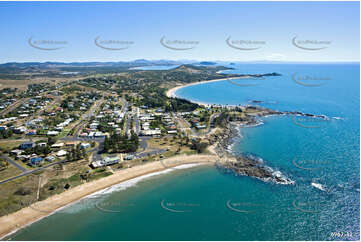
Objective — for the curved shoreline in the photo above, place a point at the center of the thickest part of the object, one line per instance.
(171, 92)
(13, 222)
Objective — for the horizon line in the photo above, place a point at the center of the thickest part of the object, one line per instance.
(179, 60)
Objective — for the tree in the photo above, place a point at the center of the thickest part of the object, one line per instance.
(51, 140)
(68, 156)
(198, 145)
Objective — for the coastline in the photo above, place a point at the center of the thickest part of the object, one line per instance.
(28, 215)
(20, 219)
(171, 92)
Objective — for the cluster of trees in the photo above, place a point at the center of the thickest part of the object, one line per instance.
(180, 105)
(104, 126)
(118, 143)
(39, 150)
(76, 153)
(6, 133)
(222, 120)
(199, 146)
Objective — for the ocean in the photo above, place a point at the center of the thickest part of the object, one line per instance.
(203, 203)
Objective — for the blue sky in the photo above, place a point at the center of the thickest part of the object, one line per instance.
(75, 25)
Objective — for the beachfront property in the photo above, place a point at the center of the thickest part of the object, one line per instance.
(106, 161)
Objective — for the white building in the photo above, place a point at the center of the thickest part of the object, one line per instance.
(85, 145)
(106, 162)
(53, 133)
(151, 132)
(61, 153)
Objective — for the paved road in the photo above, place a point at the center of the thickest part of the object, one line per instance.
(211, 119)
(14, 105)
(127, 125)
(194, 133)
(8, 159)
(143, 142)
(32, 171)
(137, 125)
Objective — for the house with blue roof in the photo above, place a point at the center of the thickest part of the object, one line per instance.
(35, 161)
(27, 145)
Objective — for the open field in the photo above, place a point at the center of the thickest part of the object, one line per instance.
(10, 171)
(23, 84)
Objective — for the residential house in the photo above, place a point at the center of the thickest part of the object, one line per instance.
(27, 145)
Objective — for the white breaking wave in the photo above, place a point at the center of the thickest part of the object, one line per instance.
(252, 125)
(318, 186)
(132, 182)
(284, 180)
(86, 202)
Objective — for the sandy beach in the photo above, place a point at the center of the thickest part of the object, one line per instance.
(26, 216)
(171, 92)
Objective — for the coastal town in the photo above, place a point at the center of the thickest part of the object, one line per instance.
(180, 121)
(59, 135)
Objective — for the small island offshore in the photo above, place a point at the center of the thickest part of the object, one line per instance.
(68, 134)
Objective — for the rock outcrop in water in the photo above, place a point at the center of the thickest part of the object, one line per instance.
(243, 164)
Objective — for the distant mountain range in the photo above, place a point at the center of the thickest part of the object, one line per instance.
(88, 64)
(136, 63)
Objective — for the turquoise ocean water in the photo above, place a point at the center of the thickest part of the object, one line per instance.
(203, 203)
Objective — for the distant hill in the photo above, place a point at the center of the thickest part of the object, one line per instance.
(140, 62)
(194, 69)
(16, 70)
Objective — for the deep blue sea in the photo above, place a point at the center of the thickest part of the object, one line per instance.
(203, 203)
